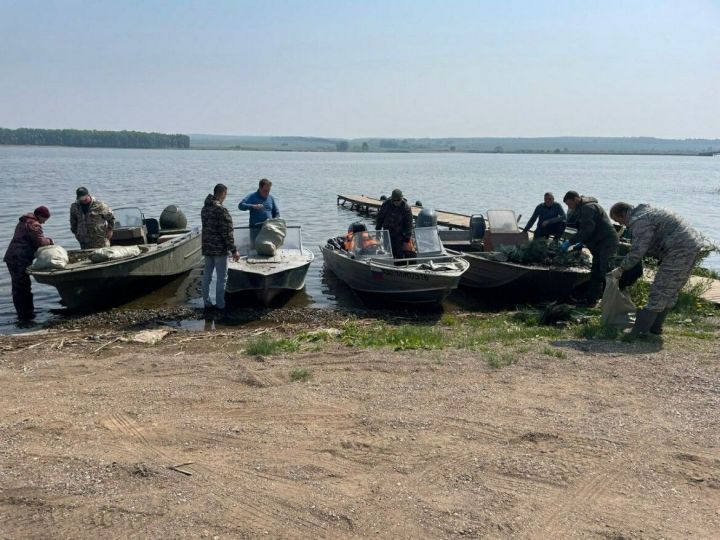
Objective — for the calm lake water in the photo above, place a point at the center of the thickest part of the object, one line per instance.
(306, 184)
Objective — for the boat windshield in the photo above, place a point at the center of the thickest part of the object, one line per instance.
(245, 239)
(371, 245)
(502, 221)
(427, 241)
(128, 217)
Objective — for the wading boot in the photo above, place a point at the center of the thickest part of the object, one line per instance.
(657, 326)
(643, 322)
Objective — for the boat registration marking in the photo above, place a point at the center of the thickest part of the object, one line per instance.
(407, 275)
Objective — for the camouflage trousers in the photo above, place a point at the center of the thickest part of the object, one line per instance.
(671, 276)
(92, 242)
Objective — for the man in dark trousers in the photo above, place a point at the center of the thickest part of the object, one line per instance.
(550, 216)
(27, 239)
(396, 217)
(596, 232)
(217, 241)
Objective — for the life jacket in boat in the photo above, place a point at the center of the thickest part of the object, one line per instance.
(365, 240)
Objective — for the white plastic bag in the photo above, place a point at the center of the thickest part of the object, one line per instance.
(50, 258)
(616, 305)
(114, 252)
(270, 237)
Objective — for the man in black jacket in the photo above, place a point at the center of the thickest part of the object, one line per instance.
(596, 232)
(217, 241)
(550, 216)
(395, 216)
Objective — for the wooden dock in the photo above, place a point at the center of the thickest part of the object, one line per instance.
(368, 205)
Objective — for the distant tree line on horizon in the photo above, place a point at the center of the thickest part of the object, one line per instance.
(493, 145)
(92, 138)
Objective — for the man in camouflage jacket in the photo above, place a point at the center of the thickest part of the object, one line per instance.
(91, 221)
(27, 239)
(395, 216)
(217, 241)
(597, 234)
(661, 234)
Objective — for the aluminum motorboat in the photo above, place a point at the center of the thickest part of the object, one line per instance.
(268, 276)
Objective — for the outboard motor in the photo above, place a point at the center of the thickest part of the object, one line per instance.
(426, 218)
(173, 218)
(477, 227)
(356, 227)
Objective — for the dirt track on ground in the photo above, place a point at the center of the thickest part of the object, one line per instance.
(614, 441)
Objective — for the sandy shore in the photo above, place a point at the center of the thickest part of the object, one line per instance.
(104, 436)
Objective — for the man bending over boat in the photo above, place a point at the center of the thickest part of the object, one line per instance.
(667, 237)
(596, 233)
(217, 241)
(261, 204)
(550, 216)
(27, 239)
(91, 220)
(396, 217)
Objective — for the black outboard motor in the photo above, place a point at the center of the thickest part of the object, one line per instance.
(173, 218)
(477, 227)
(356, 227)
(426, 218)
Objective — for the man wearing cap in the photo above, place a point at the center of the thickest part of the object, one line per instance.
(27, 239)
(91, 220)
(395, 216)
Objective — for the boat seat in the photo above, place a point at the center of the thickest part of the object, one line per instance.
(128, 236)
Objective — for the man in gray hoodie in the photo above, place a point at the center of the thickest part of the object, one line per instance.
(661, 234)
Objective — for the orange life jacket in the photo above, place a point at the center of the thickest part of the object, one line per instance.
(366, 240)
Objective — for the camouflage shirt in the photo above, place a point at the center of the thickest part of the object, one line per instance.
(217, 228)
(91, 227)
(657, 232)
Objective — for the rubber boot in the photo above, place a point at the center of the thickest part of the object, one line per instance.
(643, 322)
(657, 326)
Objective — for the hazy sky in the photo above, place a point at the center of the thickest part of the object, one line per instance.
(364, 68)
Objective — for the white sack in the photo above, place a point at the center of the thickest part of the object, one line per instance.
(113, 253)
(50, 258)
(616, 305)
(270, 237)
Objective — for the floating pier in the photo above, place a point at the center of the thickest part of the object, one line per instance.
(368, 205)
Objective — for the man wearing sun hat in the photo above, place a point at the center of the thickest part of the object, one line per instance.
(91, 220)
(27, 239)
(395, 215)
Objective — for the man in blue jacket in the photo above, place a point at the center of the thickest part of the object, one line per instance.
(261, 204)
(550, 216)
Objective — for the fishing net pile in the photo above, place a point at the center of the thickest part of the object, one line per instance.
(545, 253)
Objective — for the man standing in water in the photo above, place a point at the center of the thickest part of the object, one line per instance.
(395, 215)
(27, 239)
(261, 204)
(91, 220)
(217, 241)
(596, 233)
(666, 236)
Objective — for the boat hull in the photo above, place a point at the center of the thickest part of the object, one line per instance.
(267, 281)
(395, 284)
(521, 281)
(104, 283)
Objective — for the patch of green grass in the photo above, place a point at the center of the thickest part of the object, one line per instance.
(448, 319)
(594, 329)
(705, 272)
(400, 338)
(300, 374)
(499, 359)
(314, 336)
(267, 346)
(556, 353)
